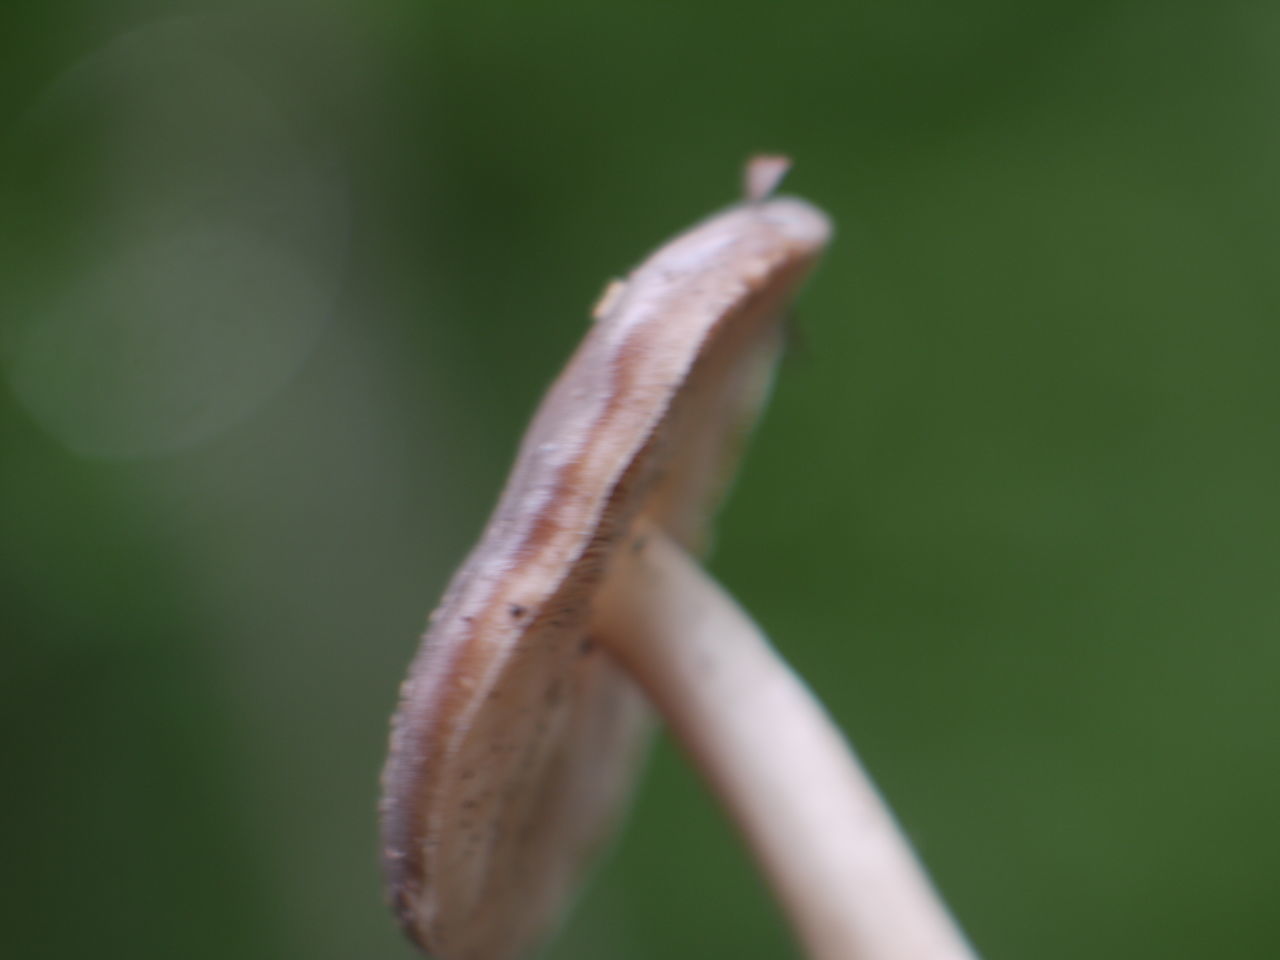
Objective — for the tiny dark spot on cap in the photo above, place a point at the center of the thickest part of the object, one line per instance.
(638, 544)
(554, 692)
(587, 646)
(517, 611)
(525, 833)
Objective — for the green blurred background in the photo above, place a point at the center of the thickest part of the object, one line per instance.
(281, 282)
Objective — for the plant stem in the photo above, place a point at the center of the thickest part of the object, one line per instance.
(845, 875)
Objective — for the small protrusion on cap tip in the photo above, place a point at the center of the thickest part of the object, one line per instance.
(608, 299)
(762, 175)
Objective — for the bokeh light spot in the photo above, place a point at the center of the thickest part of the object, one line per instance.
(173, 242)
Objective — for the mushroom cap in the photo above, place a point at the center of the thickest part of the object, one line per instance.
(517, 738)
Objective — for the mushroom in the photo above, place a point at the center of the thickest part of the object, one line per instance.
(525, 713)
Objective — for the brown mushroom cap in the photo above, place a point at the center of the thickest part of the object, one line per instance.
(517, 738)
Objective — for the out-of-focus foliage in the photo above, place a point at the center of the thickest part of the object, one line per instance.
(280, 283)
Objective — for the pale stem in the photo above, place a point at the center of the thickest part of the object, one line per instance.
(844, 873)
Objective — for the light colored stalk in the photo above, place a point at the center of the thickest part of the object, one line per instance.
(845, 875)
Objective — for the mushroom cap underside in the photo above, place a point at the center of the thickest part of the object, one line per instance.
(517, 737)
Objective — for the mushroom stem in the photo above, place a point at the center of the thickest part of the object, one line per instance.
(844, 873)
